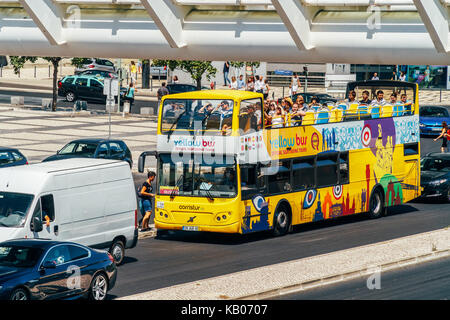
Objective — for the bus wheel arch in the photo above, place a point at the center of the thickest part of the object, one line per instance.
(282, 218)
(377, 203)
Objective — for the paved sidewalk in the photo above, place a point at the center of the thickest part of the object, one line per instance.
(39, 134)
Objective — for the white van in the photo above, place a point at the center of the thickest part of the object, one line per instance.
(88, 201)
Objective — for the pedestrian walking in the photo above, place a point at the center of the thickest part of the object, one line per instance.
(133, 72)
(226, 71)
(129, 95)
(146, 194)
(445, 136)
(162, 91)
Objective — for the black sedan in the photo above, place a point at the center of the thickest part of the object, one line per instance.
(94, 148)
(32, 269)
(435, 176)
(182, 87)
(10, 157)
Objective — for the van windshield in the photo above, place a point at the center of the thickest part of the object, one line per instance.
(14, 208)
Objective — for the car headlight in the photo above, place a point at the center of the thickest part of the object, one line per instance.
(438, 182)
(421, 125)
(1, 288)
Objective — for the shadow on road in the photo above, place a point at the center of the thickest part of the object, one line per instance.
(238, 239)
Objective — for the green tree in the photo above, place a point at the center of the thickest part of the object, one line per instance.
(195, 68)
(78, 62)
(19, 61)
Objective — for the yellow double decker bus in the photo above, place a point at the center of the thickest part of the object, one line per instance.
(222, 168)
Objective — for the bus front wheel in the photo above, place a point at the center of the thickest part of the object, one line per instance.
(376, 204)
(282, 221)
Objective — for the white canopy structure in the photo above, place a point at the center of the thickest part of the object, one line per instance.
(311, 31)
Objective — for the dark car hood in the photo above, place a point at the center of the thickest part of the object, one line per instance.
(433, 121)
(427, 176)
(64, 156)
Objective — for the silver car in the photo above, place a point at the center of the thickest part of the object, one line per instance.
(97, 64)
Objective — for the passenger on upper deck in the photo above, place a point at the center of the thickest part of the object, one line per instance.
(351, 98)
(296, 115)
(365, 98)
(249, 120)
(405, 101)
(314, 102)
(380, 98)
(278, 118)
(393, 98)
(301, 103)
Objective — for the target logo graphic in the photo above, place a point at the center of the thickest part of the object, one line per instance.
(337, 192)
(366, 135)
(310, 197)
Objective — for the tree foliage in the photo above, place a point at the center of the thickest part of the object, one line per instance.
(195, 68)
(78, 62)
(19, 61)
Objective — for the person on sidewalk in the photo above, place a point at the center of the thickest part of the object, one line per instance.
(146, 194)
(226, 70)
(129, 95)
(133, 72)
(162, 91)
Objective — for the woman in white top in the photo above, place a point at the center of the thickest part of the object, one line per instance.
(278, 118)
(295, 84)
(234, 84)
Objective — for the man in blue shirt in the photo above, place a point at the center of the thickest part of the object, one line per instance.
(241, 83)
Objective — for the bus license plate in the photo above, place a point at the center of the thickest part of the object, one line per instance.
(190, 228)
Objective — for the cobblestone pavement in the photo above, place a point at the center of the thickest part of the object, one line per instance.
(40, 134)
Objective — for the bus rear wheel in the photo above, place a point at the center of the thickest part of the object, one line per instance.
(282, 221)
(376, 204)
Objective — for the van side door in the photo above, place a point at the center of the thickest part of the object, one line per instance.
(45, 210)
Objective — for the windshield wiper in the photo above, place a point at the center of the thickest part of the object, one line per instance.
(3, 225)
(177, 185)
(173, 125)
(209, 195)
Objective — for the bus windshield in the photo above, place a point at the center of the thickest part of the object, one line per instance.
(189, 114)
(197, 178)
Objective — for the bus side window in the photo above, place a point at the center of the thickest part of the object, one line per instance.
(343, 168)
(249, 181)
(303, 173)
(327, 170)
(279, 177)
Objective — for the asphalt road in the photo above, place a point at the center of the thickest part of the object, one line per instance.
(35, 99)
(183, 257)
(427, 281)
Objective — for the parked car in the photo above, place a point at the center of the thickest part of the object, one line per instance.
(95, 63)
(435, 176)
(88, 88)
(323, 97)
(182, 87)
(10, 157)
(88, 201)
(41, 269)
(100, 74)
(431, 118)
(94, 148)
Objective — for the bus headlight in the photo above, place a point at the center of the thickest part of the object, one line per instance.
(438, 182)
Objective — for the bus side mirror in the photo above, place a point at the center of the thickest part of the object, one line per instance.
(36, 224)
(141, 162)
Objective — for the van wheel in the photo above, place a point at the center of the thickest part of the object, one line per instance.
(282, 221)
(117, 251)
(376, 204)
(19, 294)
(70, 96)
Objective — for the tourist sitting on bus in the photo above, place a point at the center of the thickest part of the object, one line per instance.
(351, 98)
(393, 98)
(278, 119)
(365, 98)
(248, 120)
(407, 103)
(295, 116)
(301, 103)
(380, 98)
(314, 105)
